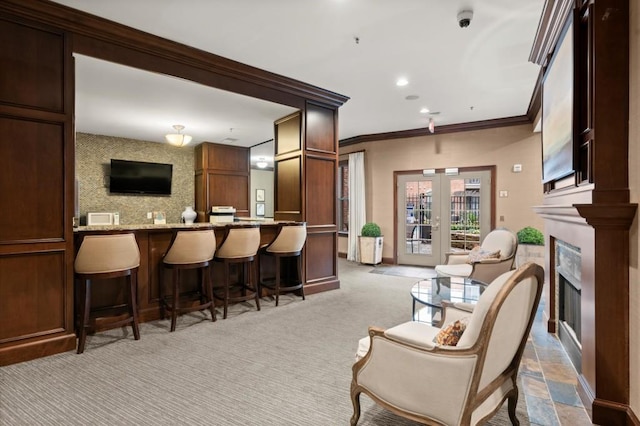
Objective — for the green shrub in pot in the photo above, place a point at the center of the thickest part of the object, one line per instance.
(530, 235)
(371, 229)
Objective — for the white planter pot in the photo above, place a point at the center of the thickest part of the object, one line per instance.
(529, 253)
(370, 250)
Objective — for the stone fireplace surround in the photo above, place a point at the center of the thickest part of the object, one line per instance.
(602, 228)
(564, 223)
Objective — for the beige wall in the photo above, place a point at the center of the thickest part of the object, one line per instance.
(93, 155)
(262, 179)
(502, 147)
(634, 186)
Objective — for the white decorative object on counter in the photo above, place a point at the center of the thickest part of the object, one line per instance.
(189, 215)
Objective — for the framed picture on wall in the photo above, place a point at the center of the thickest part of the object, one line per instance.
(259, 209)
(260, 195)
(557, 111)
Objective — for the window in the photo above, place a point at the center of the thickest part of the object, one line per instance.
(343, 196)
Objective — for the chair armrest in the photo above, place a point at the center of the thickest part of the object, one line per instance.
(456, 258)
(490, 269)
(454, 311)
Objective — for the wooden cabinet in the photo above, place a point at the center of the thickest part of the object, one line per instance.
(221, 178)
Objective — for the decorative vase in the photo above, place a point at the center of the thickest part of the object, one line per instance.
(189, 215)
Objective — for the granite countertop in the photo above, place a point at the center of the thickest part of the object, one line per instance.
(151, 226)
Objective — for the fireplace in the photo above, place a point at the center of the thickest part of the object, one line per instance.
(568, 265)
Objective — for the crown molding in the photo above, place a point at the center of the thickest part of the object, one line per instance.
(449, 128)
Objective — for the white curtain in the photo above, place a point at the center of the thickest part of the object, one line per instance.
(357, 204)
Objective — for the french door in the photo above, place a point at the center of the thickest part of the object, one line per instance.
(441, 213)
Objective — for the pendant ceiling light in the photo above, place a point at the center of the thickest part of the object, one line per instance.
(178, 139)
(262, 163)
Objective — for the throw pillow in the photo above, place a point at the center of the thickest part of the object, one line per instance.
(478, 253)
(450, 335)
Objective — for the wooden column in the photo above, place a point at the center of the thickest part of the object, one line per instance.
(306, 169)
(37, 192)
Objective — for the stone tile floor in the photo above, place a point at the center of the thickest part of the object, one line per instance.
(549, 379)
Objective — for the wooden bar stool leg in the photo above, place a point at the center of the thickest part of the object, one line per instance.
(299, 269)
(133, 306)
(254, 279)
(277, 283)
(212, 307)
(226, 289)
(176, 296)
(85, 293)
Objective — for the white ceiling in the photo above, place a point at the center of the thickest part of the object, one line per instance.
(476, 73)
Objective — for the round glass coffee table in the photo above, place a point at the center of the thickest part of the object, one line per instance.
(431, 292)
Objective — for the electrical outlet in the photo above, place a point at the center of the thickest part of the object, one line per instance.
(504, 194)
(149, 215)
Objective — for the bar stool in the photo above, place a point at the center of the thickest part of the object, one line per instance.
(239, 247)
(287, 245)
(106, 257)
(190, 249)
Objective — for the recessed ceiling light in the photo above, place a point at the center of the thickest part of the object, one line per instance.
(402, 82)
(424, 110)
(412, 97)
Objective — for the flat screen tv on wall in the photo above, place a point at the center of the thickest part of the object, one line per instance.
(138, 177)
(557, 111)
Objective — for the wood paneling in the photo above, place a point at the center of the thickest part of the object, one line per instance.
(24, 50)
(288, 186)
(37, 192)
(229, 190)
(320, 245)
(321, 182)
(221, 178)
(320, 129)
(225, 158)
(23, 276)
(288, 134)
(32, 157)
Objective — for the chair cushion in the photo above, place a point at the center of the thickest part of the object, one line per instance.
(500, 239)
(414, 332)
(450, 335)
(460, 270)
(478, 253)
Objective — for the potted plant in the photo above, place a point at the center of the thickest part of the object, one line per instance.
(370, 244)
(530, 246)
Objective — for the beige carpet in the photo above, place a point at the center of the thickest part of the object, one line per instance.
(289, 365)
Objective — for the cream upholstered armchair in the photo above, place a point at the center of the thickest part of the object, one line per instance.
(496, 255)
(404, 371)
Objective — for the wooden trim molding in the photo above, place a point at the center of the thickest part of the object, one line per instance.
(87, 28)
(449, 128)
(554, 15)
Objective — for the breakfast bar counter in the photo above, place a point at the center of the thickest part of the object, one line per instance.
(153, 242)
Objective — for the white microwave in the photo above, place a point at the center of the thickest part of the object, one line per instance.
(103, 218)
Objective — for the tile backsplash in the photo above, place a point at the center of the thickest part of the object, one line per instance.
(93, 157)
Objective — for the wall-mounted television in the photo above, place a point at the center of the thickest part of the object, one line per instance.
(138, 177)
(557, 111)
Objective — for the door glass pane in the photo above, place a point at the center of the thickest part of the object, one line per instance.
(465, 213)
(418, 196)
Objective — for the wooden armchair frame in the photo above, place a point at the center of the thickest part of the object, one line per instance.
(472, 359)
